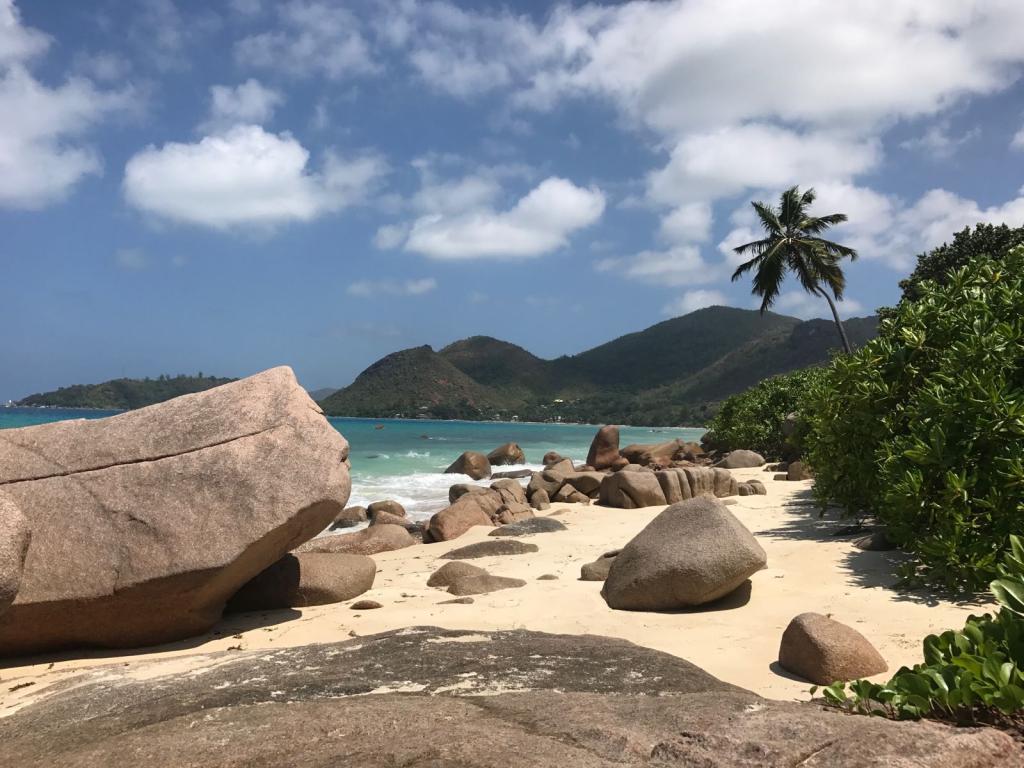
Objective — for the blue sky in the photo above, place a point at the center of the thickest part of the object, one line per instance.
(229, 186)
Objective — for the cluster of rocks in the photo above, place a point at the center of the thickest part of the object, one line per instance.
(469, 505)
(790, 470)
(139, 528)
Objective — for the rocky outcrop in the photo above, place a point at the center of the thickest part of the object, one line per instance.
(349, 518)
(369, 541)
(389, 507)
(631, 490)
(504, 502)
(500, 547)
(604, 449)
(540, 500)
(470, 463)
(823, 651)
(741, 459)
(552, 701)
(312, 578)
(480, 585)
(14, 540)
(170, 509)
(694, 552)
(598, 570)
(509, 453)
(659, 454)
(461, 489)
(751, 488)
(587, 483)
(551, 457)
(797, 470)
(529, 527)
(448, 573)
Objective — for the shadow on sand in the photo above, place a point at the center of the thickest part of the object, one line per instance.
(230, 624)
(868, 569)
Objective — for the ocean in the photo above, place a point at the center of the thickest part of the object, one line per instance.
(403, 459)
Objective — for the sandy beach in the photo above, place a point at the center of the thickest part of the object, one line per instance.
(737, 640)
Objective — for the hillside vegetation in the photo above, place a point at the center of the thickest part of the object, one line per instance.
(124, 394)
(671, 373)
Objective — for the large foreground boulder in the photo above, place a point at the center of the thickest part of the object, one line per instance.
(470, 463)
(145, 523)
(312, 578)
(14, 539)
(604, 448)
(694, 552)
(550, 701)
(369, 541)
(823, 650)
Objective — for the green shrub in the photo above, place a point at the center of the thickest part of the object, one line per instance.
(968, 676)
(753, 419)
(924, 426)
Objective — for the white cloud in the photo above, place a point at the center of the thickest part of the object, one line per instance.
(105, 66)
(540, 222)
(133, 259)
(805, 306)
(1017, 142)
(245, 176)
(679, 266)
(372, 288)
(41, 154)
(724, 162)
(250, 103)
(314, 38)
(390, 236)
(247, 7)
(691, 301)
(687, 223)
(938, 142)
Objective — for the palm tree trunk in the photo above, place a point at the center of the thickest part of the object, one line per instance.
(839, 323)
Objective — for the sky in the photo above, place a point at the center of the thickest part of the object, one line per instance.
(227, 186)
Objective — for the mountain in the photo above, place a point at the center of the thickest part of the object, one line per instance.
(671, 373)
(413, 382)
(123, 394)
(322, 393)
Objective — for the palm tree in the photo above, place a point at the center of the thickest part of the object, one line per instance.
(794, 243)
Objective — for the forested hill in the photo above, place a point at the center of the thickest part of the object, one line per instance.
(124, 394)
(671, 373)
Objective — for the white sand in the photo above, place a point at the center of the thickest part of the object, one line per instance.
(808, 570)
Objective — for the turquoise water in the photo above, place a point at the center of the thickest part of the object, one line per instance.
(404, 460)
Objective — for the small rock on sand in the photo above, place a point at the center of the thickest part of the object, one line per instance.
(490, 549)
(529, 527)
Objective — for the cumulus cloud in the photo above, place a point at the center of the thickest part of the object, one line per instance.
(691, 301)
(245, 176)
(938, 142)
(248, 103)
(687, 223)
(678, 266)
(729, 160)
(1017, 142)
(42, 156)
(806, 306)
(371, 288)
(540, 222)
(311, 38)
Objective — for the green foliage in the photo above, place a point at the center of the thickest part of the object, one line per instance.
(985, 240)
(124, 394)
(923, 426)
(968, 676)
(754, 419)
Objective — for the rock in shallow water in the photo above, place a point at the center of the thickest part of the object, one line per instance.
(555, 701)
(143, 524)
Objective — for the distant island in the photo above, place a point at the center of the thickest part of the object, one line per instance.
(672, 373)
(123, 394)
